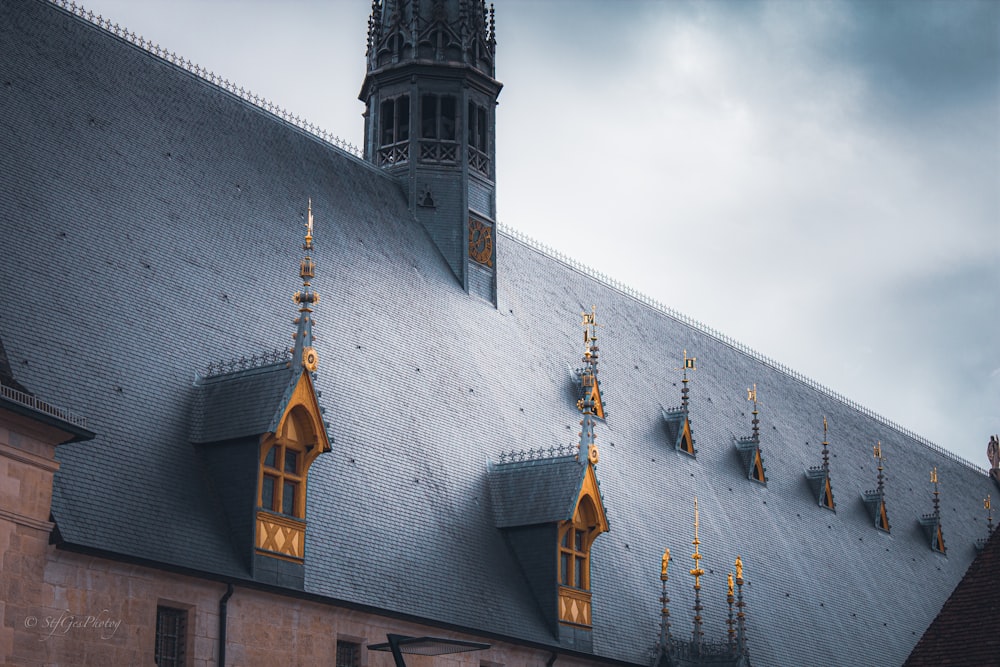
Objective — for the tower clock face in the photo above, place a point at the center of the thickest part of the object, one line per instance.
(480, 242)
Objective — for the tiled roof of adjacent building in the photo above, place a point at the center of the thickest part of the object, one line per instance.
(965, 631)
(167, 211)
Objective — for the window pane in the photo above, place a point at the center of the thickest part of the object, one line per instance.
(267, 489)
(387, 118)
(579, 581)
(171, 636)
(578, 540)
(481, 129)
(565, 538)
(448, 118)
(269, 457)
(291, 461)
(428, 117)
(470, 124)
(288, 497)
(403, 127)
(348, 654)
(564, 568)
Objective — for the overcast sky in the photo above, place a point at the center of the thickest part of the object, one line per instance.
(819, 180)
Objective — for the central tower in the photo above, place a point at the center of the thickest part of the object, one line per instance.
(430, 101)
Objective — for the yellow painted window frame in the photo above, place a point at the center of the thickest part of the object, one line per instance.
(296, 432)
(586, 523)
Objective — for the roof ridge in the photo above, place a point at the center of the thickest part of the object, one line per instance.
(662, 308)
(230, 87)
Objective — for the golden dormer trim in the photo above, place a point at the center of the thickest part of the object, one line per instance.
(687, 442)
(282, 473)
(576, 536)
(757, 473)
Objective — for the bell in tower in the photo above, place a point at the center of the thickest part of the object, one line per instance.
(430, 101)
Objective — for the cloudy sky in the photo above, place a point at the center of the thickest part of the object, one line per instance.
(819, 180)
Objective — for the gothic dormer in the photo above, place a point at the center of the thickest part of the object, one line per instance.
(677, 420)
(258, 424)
(549, 505)
(430, 101)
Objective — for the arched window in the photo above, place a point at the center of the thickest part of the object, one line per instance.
(285, 458)
(575, 538)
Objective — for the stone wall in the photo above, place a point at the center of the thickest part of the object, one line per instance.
(66, 608)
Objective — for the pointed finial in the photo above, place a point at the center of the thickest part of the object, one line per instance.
(730, 583)
(752, 396)
(937, 502)
(989, 514)
(826, 448)
(591, 403)
(663, 564)
(688, 364)
(739, 570)
(309, 226)
(697, 573)
(303, 352)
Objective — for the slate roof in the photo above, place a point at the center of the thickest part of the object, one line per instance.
(167, 212)
(532, 492)
(965, 630)
(241, 404)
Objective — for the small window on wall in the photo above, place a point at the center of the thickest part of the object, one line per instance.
(395, 119)
(477, 127)
(171, 637)
(437, 117)
(348, 653)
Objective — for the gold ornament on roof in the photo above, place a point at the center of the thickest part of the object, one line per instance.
(663, 564)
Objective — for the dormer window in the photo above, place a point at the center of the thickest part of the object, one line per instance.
(283, 463)
(575, 538)
(281, 478)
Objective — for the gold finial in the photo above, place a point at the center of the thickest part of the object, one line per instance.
(878, 451)
(739, 569)
(309, 224)
(730, 577)
(934, 477)
(589, 328)
(696, 572)
(986, 502)
(824, 427)
(663, 564)
(689, 362)
(752, 394)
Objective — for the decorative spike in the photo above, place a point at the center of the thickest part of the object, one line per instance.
(826, 451)
(741, 637)
(730, 631)
(664, 641)
(697, 573)
(937, 503)
(302, 352)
